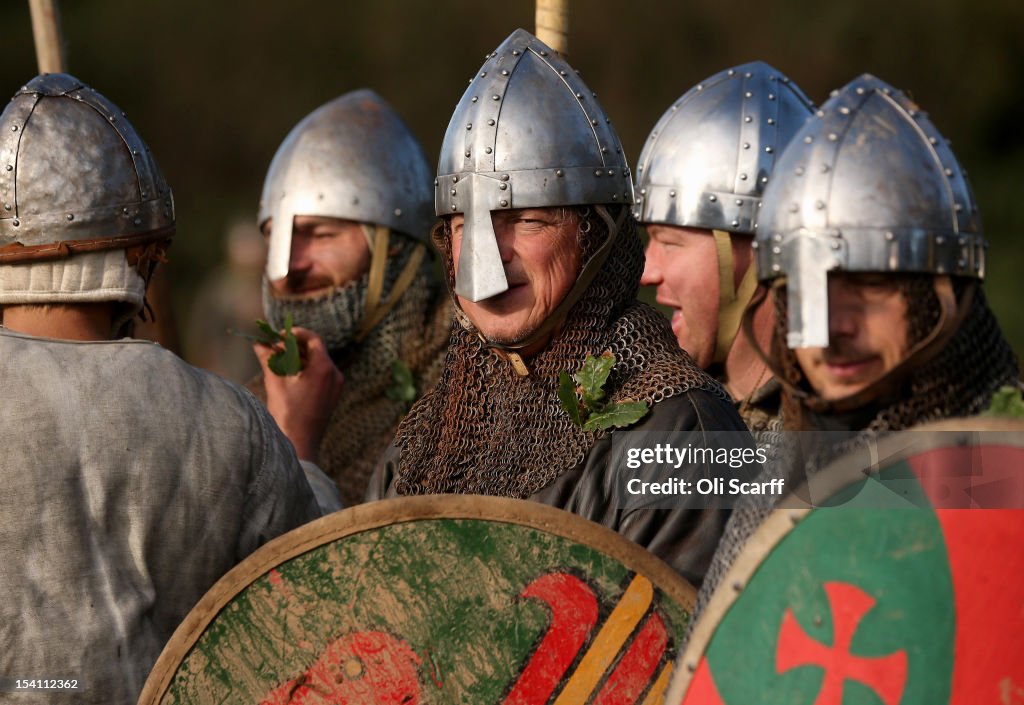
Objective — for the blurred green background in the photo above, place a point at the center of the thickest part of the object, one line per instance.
(213, 87)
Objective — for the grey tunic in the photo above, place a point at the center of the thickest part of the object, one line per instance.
(131, 482)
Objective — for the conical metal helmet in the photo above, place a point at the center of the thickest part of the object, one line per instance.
(867, 185)
(352, 158)
(527, 133)
(710, 155)
(75, 175)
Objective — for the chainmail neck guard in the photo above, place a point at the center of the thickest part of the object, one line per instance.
(486, 430)
(415, 332)
(334, 315)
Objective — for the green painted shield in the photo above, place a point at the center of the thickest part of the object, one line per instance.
(433, 600)
(895, 593)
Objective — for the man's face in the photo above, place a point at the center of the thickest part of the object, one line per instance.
(541, 259)
(683, 264)
(326, 253)
(867, 331)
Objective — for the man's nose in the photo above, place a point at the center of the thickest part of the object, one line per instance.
(844, 312)
(652, 267)
(504, 234)
(299, 260)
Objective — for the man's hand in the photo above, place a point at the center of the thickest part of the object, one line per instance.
(302, 404)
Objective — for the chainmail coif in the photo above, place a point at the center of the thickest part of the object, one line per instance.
(363, 423)
(486, 430)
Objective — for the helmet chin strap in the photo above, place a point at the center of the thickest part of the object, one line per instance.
(511, 350)
(731, 301)
(377, 307)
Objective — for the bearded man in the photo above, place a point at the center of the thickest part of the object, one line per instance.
(131, 480)
(543, 259)
(346, 211)
(871, 239)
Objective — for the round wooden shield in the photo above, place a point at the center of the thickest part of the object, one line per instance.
(903, 591)
(441, 599)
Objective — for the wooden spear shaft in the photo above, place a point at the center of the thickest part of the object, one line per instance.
(46, 31)
(552, 20)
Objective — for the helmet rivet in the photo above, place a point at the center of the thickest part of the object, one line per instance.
(889, 235)
(495, 97)
(836, 245)
(743, 177)
(739, 201)
(503, 186)
(491, 122)
(135, 152)
(559, 172)
(7, 206)
(746, 145)
(70, 216)
(611, 172)
(700, 86)
(594, 122)
(672, 194)
(748, 94)
(474, 99)
(137, 221)
(16, 222)
(771, 96)
(543, 53)
(776, 268)
(764, 179)
(832, 136)
(735, 223)
(820, 205)
(488, 150)
(435, 183)
(755, 245)
(712, 198)
(515, 52)
(820, 113)
(482, 74)
(10, 168)
(860, 90)
(504, 72)
(730, 72)
(469, 126)
(468, 153)
(643, 192)
(14, 128)
(963, 241)
(579, 96)
(808, 139)
(503, 203)
(771, 121)
(504, 177)
(748, 74)
(799, 171)
(562, 73)
(824, 168)
(932, 140)
(949, 172)
(604, 150)
(777, 237)
(455, 179)
(776, 250)
(768, 149)
(957, 207)
(940, 240)
(454, 207)
(597, 172)
(615, 196)
(454, 193)
(398, 211)
(843, 110)
(748, 119)
(124, 211)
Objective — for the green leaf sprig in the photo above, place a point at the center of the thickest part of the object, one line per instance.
(583, 397)
(1006, 402)
(283, 362)
(404, 387)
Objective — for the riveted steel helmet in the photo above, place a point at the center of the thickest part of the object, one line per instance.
(74, 175)
(527, 133)
(352, 158)
(708, 159)
(867, 185)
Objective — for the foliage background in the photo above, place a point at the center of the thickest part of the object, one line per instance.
(213, 87)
